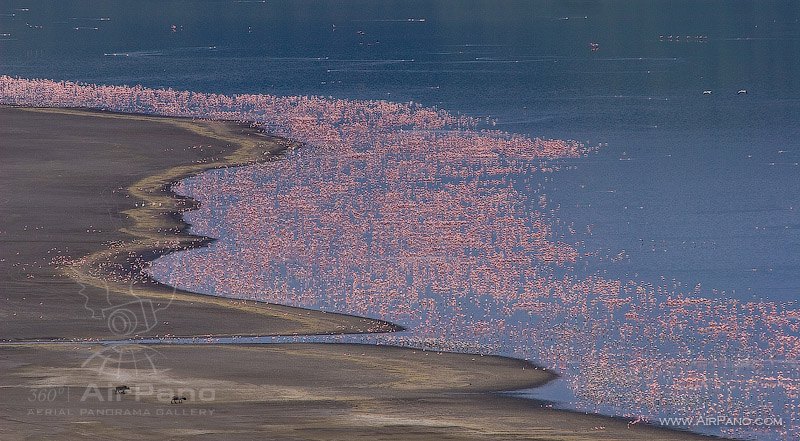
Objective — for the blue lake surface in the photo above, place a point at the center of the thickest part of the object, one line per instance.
(698, 188)
(707, 181)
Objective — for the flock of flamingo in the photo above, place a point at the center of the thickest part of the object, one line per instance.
(427, 219)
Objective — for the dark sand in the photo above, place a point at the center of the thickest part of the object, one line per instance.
(65, 187)
(69, 184)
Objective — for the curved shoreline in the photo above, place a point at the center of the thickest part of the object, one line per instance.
(153, 223)
(164, 206)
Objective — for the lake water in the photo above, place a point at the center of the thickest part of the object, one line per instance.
(690, 189)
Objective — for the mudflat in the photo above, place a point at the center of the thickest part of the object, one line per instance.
(94, 186)
(86, 204)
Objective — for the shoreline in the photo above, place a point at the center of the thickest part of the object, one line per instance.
(140, 233)
(159, 201)
(149, 225)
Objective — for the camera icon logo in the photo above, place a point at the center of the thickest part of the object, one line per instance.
(127, 319)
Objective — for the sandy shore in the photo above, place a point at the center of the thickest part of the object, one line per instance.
(292, 391)
(94, 186)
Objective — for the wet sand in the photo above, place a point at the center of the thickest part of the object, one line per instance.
(286, 391)
(95, 186)
(77, 181)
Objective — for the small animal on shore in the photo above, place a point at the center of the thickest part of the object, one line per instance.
(121, 389)
(178, 400)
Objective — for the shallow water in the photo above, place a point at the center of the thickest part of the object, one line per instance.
(708, 181)
(690, 189)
